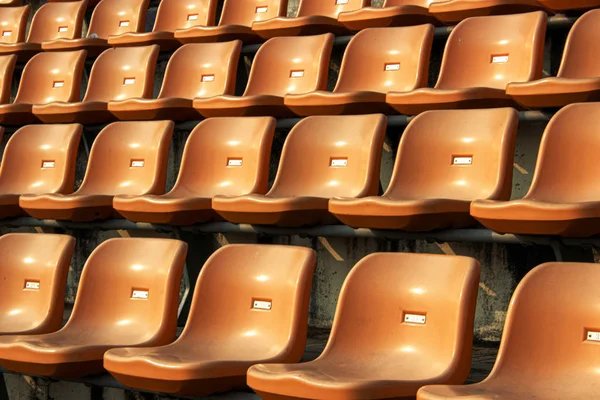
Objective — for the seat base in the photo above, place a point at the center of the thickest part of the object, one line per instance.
(83, 113)
(178, 218)
(455, 11)
(213, 34)
(373, 17)
(554, 92)
(409, 223)
(584, 227)
(166, 40)
(93, 46)
(75, 214)
(155, 109)
(17, 114)
(23, 51)
(284, 219)
(70, 370)
(244, 106)
(273, 396)
(300, 26)
(328, 103)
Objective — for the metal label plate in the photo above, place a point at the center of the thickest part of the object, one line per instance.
(297, 74)
(192, 17)
(63, 29)
(593, 336)
(58, 84)
(235, 162)
(500, 59)
(32, 285)
(462, 160)
(262, 305)
(208, 78)
(48, 164)
(339, 162)
(128, 81)
(6, 33)
(137, 163)
(261, 9)
(140, 294)
(392, 67)
(415, 319)
(123, 24)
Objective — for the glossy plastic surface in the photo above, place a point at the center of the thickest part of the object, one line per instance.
(281, 66)
(117, 74)
(482, 56)
(7, 67)
(226, 334)
(314, 17)
(127, 158)
(136, 306)
(171, 15)
(578, 79)
(453, 11)
(34, 268)
(38, 159)
(47, 78)
(373, 352)
(110, 17)
(323, 157)
(446, 159)
(376, 61)
(223, 156)
(538, 366)
(564, 5)
(393, 13)
(201, 70)
(562, 199)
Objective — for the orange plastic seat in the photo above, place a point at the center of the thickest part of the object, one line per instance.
(34, 269)
(453, 11)
(565, 5)
(578, 78)
(110, 17)
(481, 58)
(38, 159)
(13, 21)
(227, 156)
(128, 158)
(7, 68)
(127, 296)
(195, 70)
(171, 15)
(47, 77)
(376, 61)
(567, 349)
(323, 157)
(427, 192)
(236, 21)
(393, 13)
(117, 74)
(265, 321)
(562, 199)
(287, 65)
(402, 321)
(314, 17)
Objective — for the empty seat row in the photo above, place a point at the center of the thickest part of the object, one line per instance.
(383, 69)
(403, 323)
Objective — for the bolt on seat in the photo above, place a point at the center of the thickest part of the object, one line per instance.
(117, 74)
(265, 321)
(314, 17)
(567, 348)
(200, 70)
(37, 159)
(376, 61)
(563, 199)
(481, 58)
(402, 321)
(171, 15)
(322, 157)
(568, 5)
(128, 158)
(222, 156)
(454, 11)
(392, 13)
(428, 192)
(287, 65)
(110, 17)
(47, 78)
(578, 79)
(236, 21)
(127, 296)
(34, 268)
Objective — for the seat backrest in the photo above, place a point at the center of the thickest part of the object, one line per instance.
(483, 52)
(7, 67)
(583, 44)
(129, 290)
(268, 315)
(182, 14)
(558, 348)
(123, 73)
(52, 76)
(202, 70)
(333, 156)
(34, 269)
(291, 65)
(245, 12)
(129, 158)
(416, 309)
(57, 20)
(420, 3)
(566, 166)
(387, 60)
(13, 23)
(456, 154)
(329, 8)
(114, 17)
(227, 156)
(40, 159)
